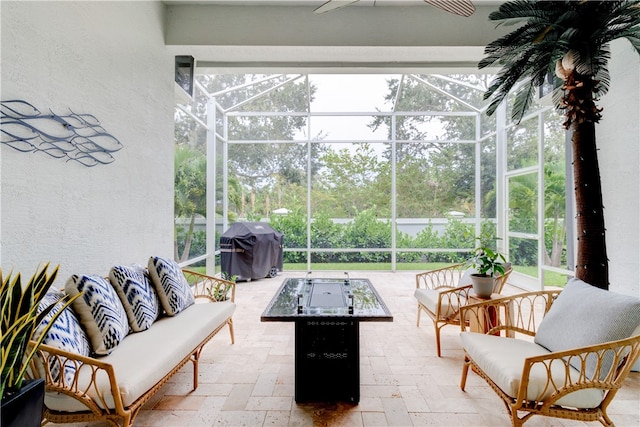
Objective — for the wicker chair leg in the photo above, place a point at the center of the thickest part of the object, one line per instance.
(418, 321)
(230, 322)
(605, 420)
(127, 421)
(465, 371)
(131, 417)
(195, 358)
(435, 324)
(515, 420)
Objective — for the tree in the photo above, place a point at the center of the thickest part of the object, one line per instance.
(258, 172)
(264, 167)
(555, 198)
(570, 38)
(433, 169)
(190, 192)
(349, 179)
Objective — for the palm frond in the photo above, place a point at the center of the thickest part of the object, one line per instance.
(523, 100)
(547, 32)
(525, 67)
(500, 87)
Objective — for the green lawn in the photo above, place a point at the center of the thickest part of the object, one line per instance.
(551, 278)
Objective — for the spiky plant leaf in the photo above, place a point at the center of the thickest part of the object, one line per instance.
(20, 318)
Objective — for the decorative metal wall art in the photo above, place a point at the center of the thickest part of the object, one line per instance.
(77, 137)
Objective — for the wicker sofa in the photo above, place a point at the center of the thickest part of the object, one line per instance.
(564, 353)
(113, 387)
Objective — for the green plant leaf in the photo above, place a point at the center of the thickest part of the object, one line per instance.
(20, 318)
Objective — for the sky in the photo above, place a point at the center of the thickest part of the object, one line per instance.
(349, 93)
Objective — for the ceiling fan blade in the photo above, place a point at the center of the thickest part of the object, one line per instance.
(332, 5)
(458, 7)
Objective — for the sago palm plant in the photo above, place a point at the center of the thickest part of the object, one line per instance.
(571, 39)
(20, 318)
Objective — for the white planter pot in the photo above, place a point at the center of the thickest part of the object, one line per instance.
(483, 285)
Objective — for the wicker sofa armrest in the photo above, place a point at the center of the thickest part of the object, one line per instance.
(519, 313)
(70, 384)
(445, 277)
(213, 288)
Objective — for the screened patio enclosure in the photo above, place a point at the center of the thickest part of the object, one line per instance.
(372, 171)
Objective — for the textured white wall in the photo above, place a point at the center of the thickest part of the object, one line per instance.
(107, 59)
(618, 136)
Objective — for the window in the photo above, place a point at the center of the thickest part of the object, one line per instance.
(375, 171)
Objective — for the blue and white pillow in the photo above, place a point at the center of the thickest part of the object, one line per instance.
(100, 311)
(172, 287)
(66, 334)
(137, 295)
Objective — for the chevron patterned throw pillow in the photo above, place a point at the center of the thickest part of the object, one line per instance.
(137, 295)
(172, 287)
(100, 311)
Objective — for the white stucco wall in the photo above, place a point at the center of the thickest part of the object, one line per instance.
(618, 136)
(107, 59)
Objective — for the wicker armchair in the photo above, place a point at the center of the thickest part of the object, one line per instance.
(576, 383)
(440, 293)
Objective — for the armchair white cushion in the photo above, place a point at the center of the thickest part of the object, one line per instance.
(502, 360)
(448, 306)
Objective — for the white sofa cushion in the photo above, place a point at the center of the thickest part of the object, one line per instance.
(429, 298)
(173, 289)
(502, 359)
(143, 359)
(584, 315)
(138, 296)
(99, 310)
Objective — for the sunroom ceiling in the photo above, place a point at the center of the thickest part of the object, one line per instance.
(352, 93)
(316, 3)
(285, 35)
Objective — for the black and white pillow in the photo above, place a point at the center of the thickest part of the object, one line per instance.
(173, 289)
(137, 295)
(100, 311)
(66, 333)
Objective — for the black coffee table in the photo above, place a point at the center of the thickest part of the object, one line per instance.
(327, 314)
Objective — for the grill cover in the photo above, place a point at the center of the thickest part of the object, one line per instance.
(251, 250)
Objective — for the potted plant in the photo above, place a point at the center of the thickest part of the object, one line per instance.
(488, 264)
(22, 399)
(221, 291)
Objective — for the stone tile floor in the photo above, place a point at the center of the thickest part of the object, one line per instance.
(403, 382)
